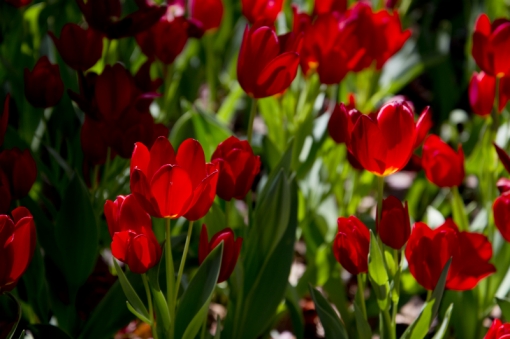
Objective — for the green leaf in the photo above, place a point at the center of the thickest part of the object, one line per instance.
(377, 274)
(76, 233)
(135, 304)
(228, 107)
(421, 325)
(364, 331)
(18, 317)
(160, 306)
(504, 304)
(218, 328)
(333, 326)
(295, 312)
(459, 210)
(441, 332)
(195, 301)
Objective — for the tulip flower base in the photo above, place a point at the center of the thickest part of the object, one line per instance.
(197, 169)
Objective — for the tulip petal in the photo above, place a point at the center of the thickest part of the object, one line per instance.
(277, 75)
(140, 158)
(132, 217)
(368, 145)
(172, 189)
(191, 158)
(161, 153)
(22, 247)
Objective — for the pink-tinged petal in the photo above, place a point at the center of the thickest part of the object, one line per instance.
(172, 189)
(277, 76)
(120, 244)
(191, 158)
(133, 217)
(162, 153)
(368, 145)
(140, 158)
(203, 247)
(22, 247)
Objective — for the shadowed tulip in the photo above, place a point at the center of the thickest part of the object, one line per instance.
(43, 85)
(20, 169)
(231, 250)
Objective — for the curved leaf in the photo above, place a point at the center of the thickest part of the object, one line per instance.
(333, 326)
(138, 308)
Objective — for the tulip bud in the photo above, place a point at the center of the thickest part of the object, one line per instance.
(231, 250)
(238, 168)
(4, 118)
(80, 48)
(501, 210)
(261, 10)
(428, 250)
(498, 330)
(375, 144)
(18, 237)
(342, 122)
(482, 91)
(491, 45)
(443, 166)
(394, 227)
(130, 227)
(43, 85)
(206, 14)
(351, 245)
(267, 63)
(20, 169)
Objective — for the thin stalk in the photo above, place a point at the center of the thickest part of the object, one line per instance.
(396, 287)
(151, 310)
(380, 193)
(210, 63)
(361, 295)
(253, 112)
(183, 261)
(389, 326)
(170, 282)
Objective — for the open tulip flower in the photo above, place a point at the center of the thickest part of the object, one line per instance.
(238, 167)
(17, 240)
(351, 245)
(384, 143)
(491, 45)
(498, 330)
(428, 250)
(169, 185)
(231, 250)
(443, 166)
(130, 227)
(206, 14)
(267, 63)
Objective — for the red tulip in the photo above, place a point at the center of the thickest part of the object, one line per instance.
(443, 166)
(384, 143)
(394, 228)
(498, 330)
(501, 210)
(428, 250)
(104, 16)
(143, 79)
(130, 227)
(43, 85)
(17, 239)
(207, 14)
(503, 185)
(167, 38)
(114, 91)
(482, 91)
(18, 3)
(93, 142)
(267, 63)
(231, 250)
(491, 45)
(238, 167)
(341, 123)
(503, 157)
(329, 6)
(80, 48)
(170, 186)
(4, 118)
(86, 99)
(423, 125)
(351, 245)
(261, 10)
(20, 169)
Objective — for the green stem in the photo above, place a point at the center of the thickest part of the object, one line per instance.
(380, 196)
(170, 282)
(149, 301)
(390, 329)
(361, 295)
(253, 112)
(183, 261)
(210, 61)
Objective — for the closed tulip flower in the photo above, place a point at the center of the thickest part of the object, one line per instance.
(498, 330)
(261, 10)
(43, 85)
(351, 245)
(80, 48)
(394, 228)
(4, 118)
(443, 166)
(491, 45)
(17, 239)
(376, 144)
(341, 123)
(238, 167)
(169, 185)
(267, 64)
(231, 250)
(130, 227)
(114, 91)
(482, 91)
(501, 210)
(428, 250)
(20, 169)
(206, 14)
